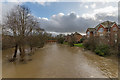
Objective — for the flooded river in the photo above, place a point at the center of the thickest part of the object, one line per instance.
(58, 61)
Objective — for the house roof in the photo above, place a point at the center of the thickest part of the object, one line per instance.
(119, 25)
(106, 24)
(76, 33)
(91, 29)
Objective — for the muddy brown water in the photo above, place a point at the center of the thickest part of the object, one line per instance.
(55, 61)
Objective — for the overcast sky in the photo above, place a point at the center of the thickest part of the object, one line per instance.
(66, 17)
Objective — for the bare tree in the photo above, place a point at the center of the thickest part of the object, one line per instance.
(20, 24)
(36, 38)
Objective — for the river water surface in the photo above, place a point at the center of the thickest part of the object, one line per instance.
(55, 61)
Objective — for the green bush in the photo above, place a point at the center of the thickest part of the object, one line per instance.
(97, 51)
(102, 54)
(60, 40)
(102, 50)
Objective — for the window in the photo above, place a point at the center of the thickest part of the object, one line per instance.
(116, 35)
(94, 33)
(114, 29)
(101, 34)
(88, 33)
(101, 30)
(115, 41)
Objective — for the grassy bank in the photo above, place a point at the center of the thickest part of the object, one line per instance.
(76, 45)
(79, 45)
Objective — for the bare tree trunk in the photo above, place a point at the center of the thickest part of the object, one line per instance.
(15, 53)
(31, 49)
(22, 52)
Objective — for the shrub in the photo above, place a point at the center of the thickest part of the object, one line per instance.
(60, 40)
(86, 45)
(102, 50)
(114, 50)
(102, 54)
(7, 42)
(119, 49)
(81, 40)
(97, 51)
(71, 44)
(90, 44)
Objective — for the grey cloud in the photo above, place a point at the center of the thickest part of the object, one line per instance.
(72, 23)
(106, 17)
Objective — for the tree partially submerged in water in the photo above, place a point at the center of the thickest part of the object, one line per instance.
(20, 25)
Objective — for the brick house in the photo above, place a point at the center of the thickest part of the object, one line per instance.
(90, 32)
(119, 34)
(107, 32)
(76, 36)
(68, 38)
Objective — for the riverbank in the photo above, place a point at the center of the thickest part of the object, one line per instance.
(108, 65)
(103, 63)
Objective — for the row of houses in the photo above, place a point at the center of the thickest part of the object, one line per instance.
(107, 32)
